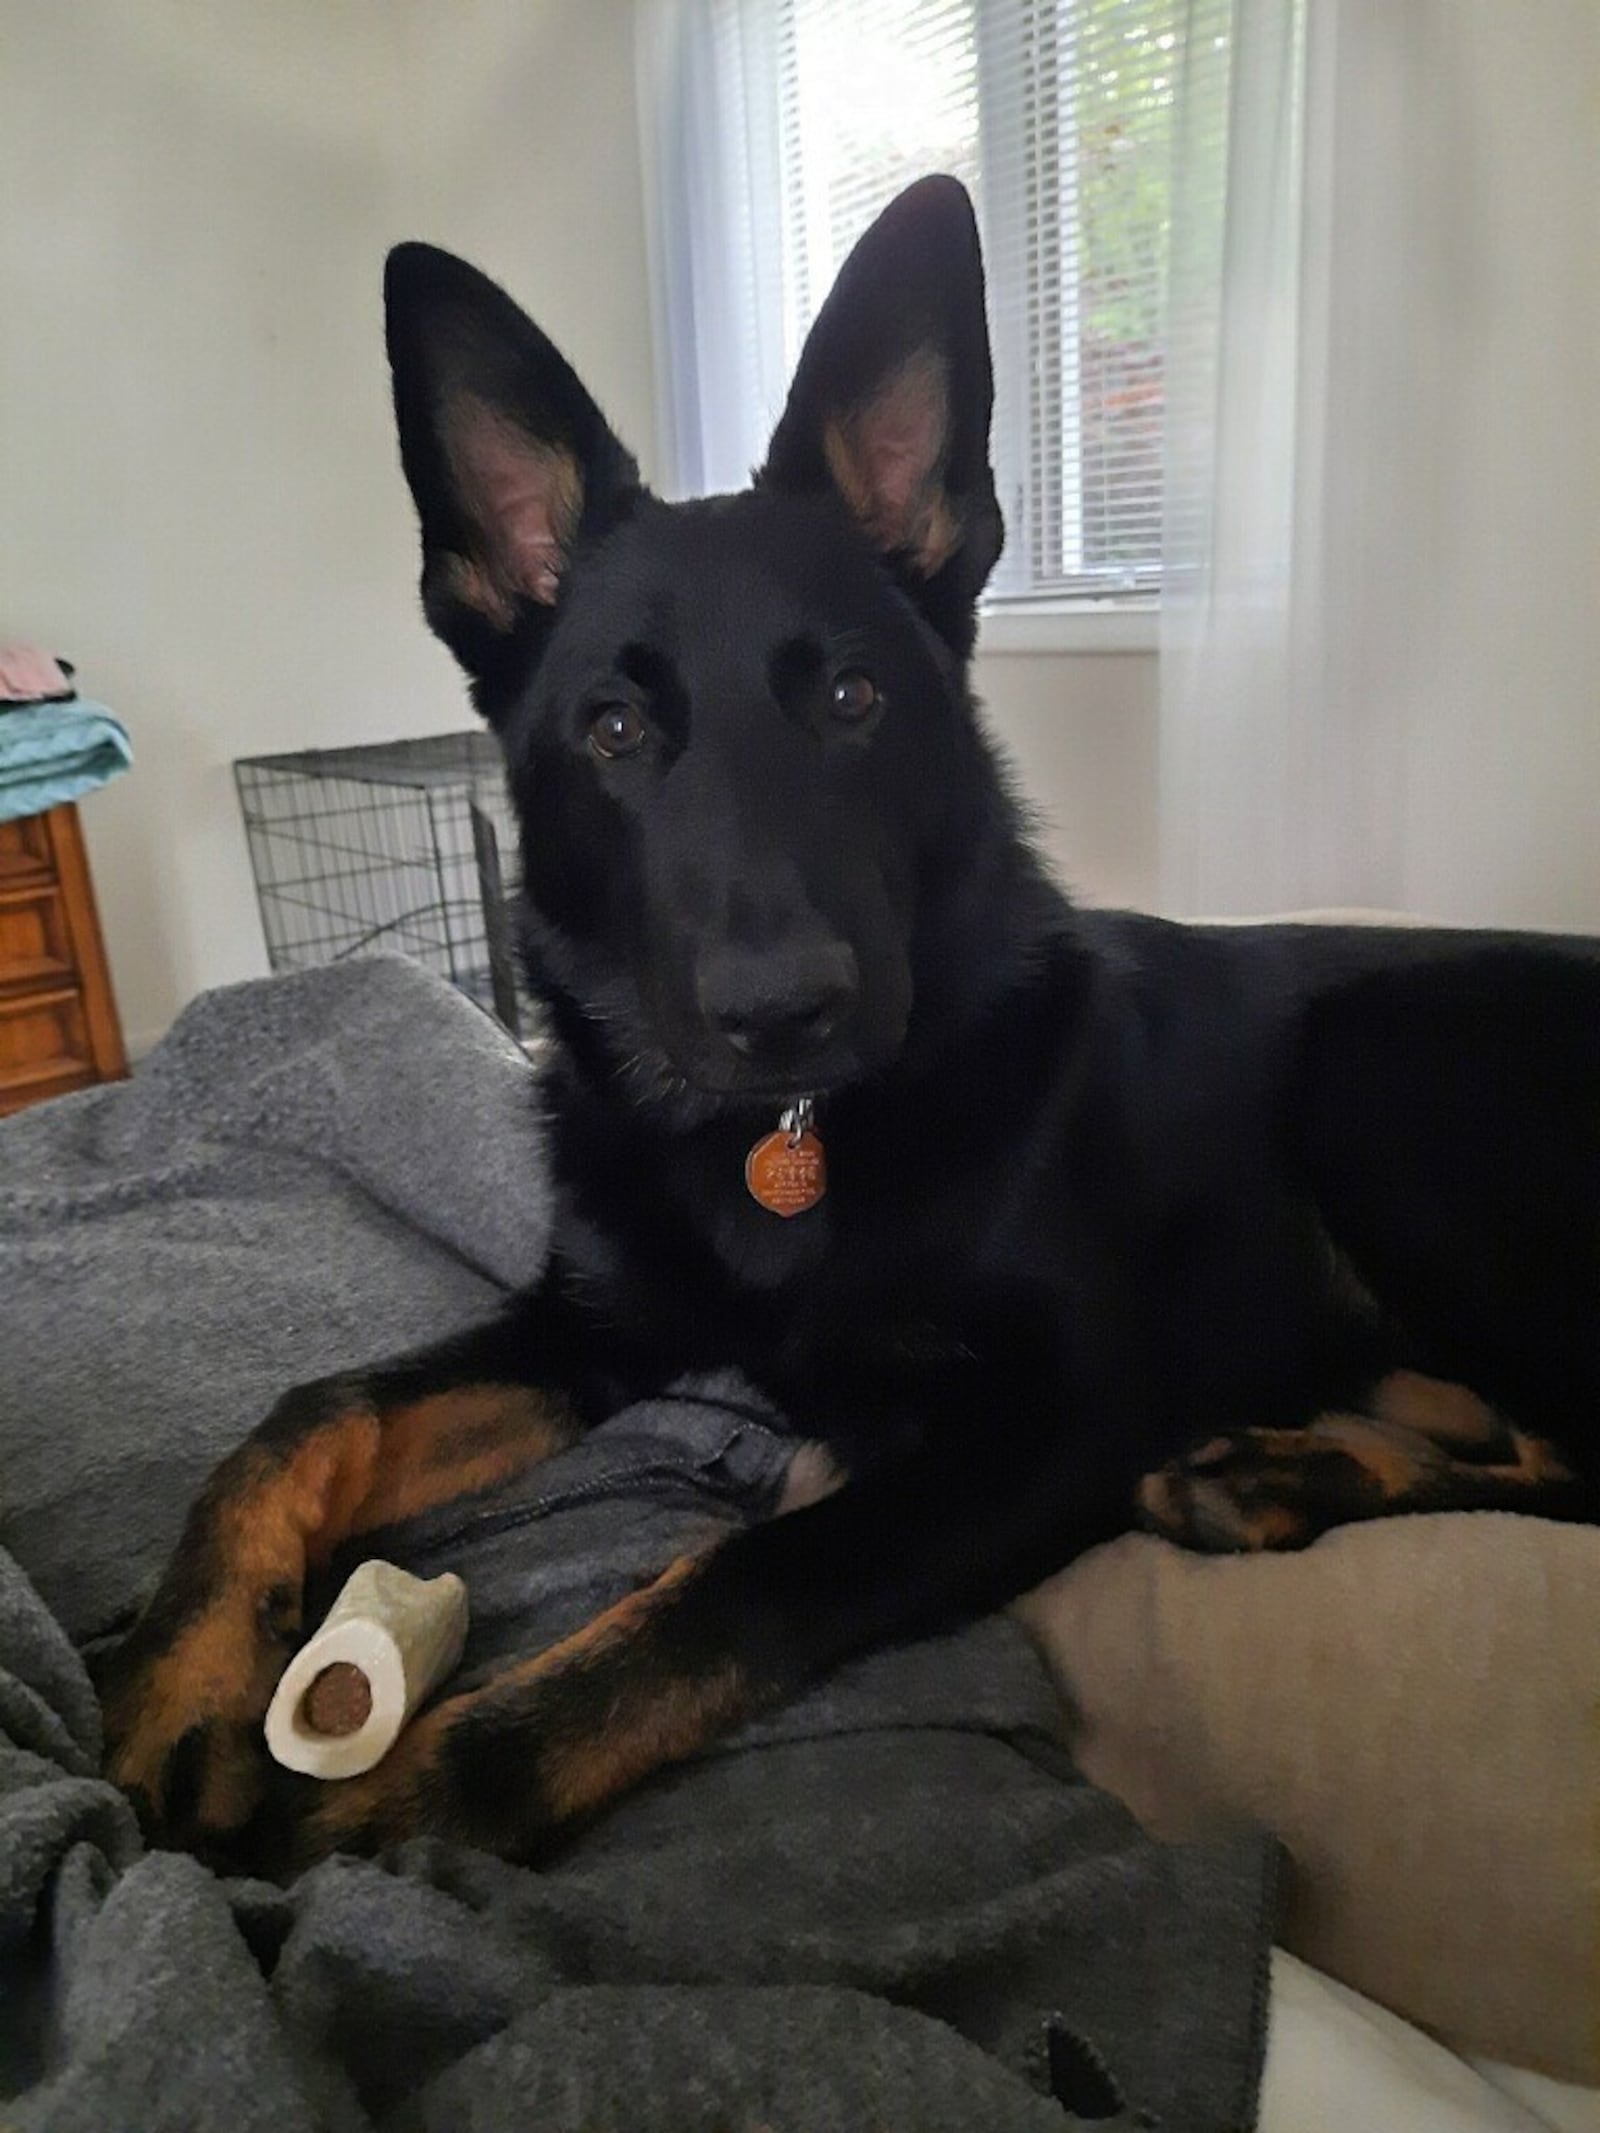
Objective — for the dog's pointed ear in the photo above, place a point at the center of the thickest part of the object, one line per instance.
(891, 401)
(509, 460)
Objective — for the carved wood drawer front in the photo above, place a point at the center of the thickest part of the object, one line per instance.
(35, 944)
(44, 1047)
(58, 1016)
(25, 853)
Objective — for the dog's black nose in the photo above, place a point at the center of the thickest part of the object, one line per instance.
(782, 1005)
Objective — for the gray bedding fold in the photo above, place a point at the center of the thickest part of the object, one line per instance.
(870, 1910)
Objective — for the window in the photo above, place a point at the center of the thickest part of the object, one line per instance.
(1059, 115)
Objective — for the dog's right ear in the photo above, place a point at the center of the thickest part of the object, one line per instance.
(509, 460)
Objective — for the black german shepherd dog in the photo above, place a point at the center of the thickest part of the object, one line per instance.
(1041, 1222)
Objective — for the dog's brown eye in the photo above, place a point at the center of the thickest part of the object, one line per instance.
(618, 730)
(854, 695)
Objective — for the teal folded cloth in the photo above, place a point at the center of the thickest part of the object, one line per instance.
(55, 752)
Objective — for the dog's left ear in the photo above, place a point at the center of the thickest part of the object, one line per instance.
(891, 401)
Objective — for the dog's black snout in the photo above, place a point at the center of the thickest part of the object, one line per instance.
(782, 1005)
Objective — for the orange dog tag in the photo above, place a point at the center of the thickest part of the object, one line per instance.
(787, 1172)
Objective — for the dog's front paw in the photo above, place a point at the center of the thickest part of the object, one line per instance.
(1252, 1490)
(183, 1701)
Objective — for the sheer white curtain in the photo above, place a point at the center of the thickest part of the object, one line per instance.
(709, 119)
(1381, 630)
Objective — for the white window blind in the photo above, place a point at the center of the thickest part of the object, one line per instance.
(1059, 115)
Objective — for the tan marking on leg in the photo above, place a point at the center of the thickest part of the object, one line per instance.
(652, 1723)
(1260, 1488)
(1272, 1525)
(1451, 1414)
(653, 1728)
(1413, 1467)
(1537, 1462)
(1397, 1461)
(459, 1443)
(1203, 1512)
(649, 1722)
(1447, 1415)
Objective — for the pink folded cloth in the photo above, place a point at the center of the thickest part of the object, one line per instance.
(29, 676)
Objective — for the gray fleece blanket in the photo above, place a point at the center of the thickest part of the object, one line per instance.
(892, 1905)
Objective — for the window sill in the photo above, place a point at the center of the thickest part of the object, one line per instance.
(1080, 626)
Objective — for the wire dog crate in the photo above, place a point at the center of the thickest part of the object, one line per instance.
(390, 847)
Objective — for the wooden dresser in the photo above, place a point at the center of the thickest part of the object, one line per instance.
(58, 1017)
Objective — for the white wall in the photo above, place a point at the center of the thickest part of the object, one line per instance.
(1081, 730)
(202, 502)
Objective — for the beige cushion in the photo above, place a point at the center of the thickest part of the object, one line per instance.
(1413, 1707)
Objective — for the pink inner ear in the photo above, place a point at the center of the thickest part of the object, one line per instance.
(522, 497)
(887, 458)
(901, 439)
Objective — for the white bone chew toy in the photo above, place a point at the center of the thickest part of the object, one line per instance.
(388, 1641)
